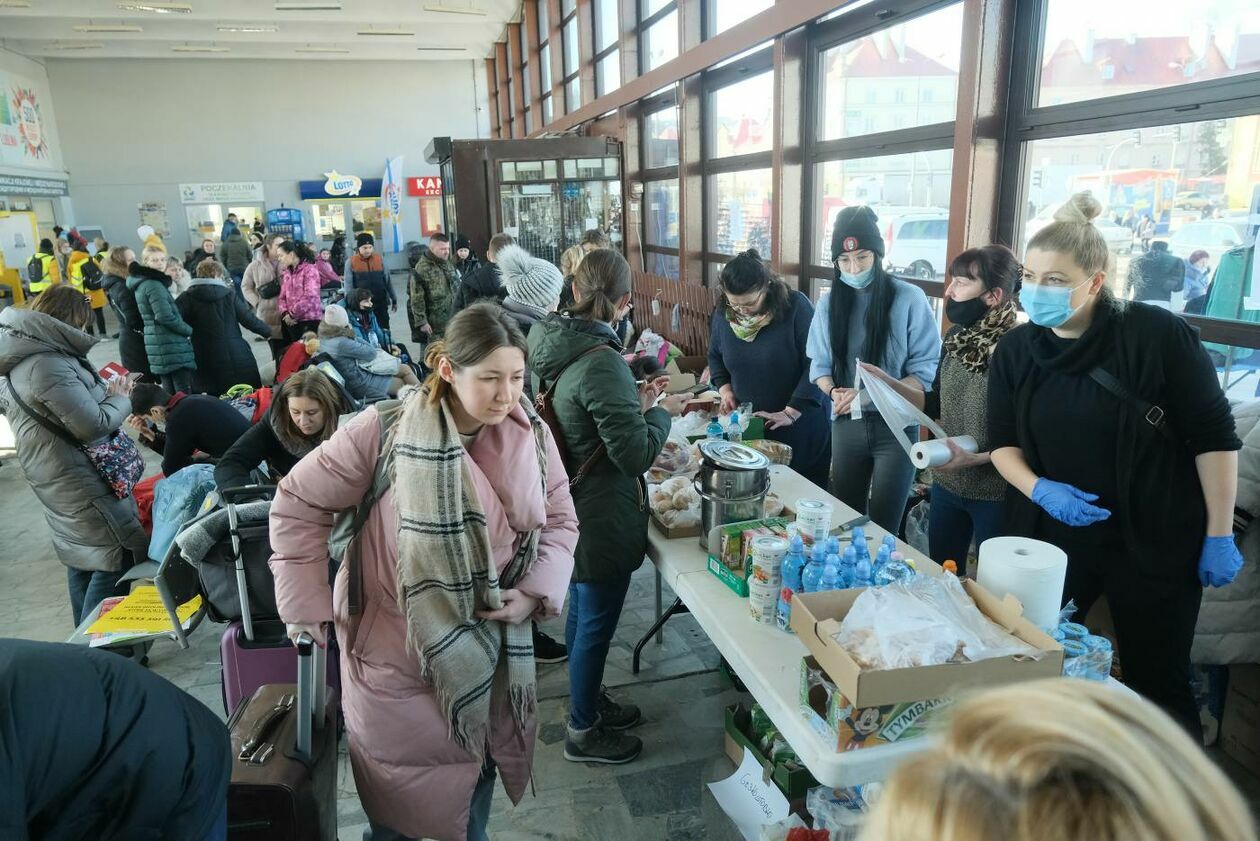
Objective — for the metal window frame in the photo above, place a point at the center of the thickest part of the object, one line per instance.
(646, 25)
(647, 181)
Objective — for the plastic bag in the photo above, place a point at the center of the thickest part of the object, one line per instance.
(917, 527)
(675, 502)
(675, 459)
(926, 621)
(841, 811)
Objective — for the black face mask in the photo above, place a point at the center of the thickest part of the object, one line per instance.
(966, 313)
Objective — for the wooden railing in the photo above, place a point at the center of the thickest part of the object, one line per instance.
(681, 312)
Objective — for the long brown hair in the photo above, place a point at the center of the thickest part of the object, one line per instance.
(117, 262)
(64, 303)
(471, 336)
(315, 385)
(601, 280)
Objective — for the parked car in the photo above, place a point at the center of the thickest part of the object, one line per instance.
(915, 245)
(1215, 236)
(1119, 238)
(1191, 200)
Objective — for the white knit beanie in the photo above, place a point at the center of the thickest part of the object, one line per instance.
(335, 315)
(529, 280)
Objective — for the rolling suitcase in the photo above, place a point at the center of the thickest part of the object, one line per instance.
(284, 758)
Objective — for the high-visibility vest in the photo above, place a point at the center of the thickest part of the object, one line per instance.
(51, 274)
(74, 269)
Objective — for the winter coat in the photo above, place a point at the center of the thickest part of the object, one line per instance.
(327, 274)
(270, 440)
(370, 274)
(485, 284)
(46, 361)
(97, 747)
(410, 775)
(1229, 617)
(236, 254)
(293, 358)
(130, 324)
(166, 335)
(197, 423)
(433, 287)
(597, 401)
(369, 330)
(257, 275)
(299, 293)
(216, 314)
(348, 353)
(1155, 275)
(465, 268)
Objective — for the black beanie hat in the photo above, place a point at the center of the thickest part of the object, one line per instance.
(463, 242)
(856, 229)
(363, 239)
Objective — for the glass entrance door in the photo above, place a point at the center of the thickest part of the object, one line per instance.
(330, 220)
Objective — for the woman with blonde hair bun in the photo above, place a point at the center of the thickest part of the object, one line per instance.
(1060, 760)
(1109, 421)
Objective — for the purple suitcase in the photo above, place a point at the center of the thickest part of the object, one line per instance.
(266, 659)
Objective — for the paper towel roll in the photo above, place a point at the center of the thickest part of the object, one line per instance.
(1030, 570)
(934, 453)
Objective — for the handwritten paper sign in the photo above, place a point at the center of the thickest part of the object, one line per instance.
(748, 799)
(142, 611)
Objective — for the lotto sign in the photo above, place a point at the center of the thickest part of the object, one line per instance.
(425, 185)
(342, 185)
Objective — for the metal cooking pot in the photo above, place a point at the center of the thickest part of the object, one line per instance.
(732, 483)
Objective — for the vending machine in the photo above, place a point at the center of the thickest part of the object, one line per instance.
(286, 221)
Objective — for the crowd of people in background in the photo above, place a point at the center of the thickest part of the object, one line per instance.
(557, 511)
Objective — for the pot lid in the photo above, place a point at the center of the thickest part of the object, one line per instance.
(729, 455)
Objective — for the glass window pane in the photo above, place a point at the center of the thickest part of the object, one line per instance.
(844, 10)
(511, 96)
(660, 213)
(573, 95)
(740, 117)
(549, 169)
(544, 26)
(525, 39)
(660, 138)
(548, 109)
(570, 46)
(910, 195)
(606, 24)
(726, 13)
(508, 169)
(648, 8)
(1094, 50)
(529, 120)
(544, 69)
(608, 73)
(567, 7)
(526, 91)
(1195, 182)
(662, 265)
(660, 42)
(900, 77)
(612, 167)
(738, 211)
(529, 170)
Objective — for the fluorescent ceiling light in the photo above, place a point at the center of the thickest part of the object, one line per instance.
(77, 45)
(159, 8)
(454, 10)
(309, 6)
(402, 33)
(440, 49)
(188, 49)
(15, 4)
(249, 29)
(322, 50)
(108, 27)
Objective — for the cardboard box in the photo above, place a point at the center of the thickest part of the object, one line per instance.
(730, 563)
(816, 618)
(1240, 726)
(791, 778)
(851, 727)
(675, 532)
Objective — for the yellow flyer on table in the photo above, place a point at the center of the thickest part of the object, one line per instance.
(142, 611)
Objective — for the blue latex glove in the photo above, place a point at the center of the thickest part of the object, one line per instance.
(1068, 504)
(1219, 561)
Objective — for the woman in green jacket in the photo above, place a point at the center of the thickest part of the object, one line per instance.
(599, 407)
(167, 337)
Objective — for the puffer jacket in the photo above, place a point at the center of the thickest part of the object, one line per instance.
(299, 292)
(216, 315)
(130, 324)
(257, 275)
(597, 401)
(432, 295)
(46, 361)
(236, 254)
(166, 335)
(1228, 630)
(347, 354)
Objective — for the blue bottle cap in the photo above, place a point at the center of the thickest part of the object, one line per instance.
(796, 544)
(1093, 642)
(850, 555)
(1074, 648)
(1074, 630)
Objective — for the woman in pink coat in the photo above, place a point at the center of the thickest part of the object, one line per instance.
(478, 526)
(300, 306)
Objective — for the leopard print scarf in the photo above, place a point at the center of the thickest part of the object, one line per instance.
(972, 346)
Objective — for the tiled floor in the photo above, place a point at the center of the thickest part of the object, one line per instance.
(660, 797)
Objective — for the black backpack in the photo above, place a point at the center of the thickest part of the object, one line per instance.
(92, 275)
(35, 270)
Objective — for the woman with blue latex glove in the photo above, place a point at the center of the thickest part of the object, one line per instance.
(1107, 417)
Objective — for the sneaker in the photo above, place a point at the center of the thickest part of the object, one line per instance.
(600, 744)
(616, 716)
(547, 650)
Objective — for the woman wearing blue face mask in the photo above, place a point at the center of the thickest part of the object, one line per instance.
(872, 316)
(1108, 420)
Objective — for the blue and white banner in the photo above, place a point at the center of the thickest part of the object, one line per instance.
(391, 202)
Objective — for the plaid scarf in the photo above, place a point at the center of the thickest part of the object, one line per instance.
(972, 346)
(447, 572)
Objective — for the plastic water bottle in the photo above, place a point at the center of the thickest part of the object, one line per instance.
(858, 542)
(862, 574)
(812, 575)
(831, 574)
(881, 559)
(783, 614)
(891, 542)
(713, 432)
(848, 566)
(734, 432)
(895, 570)
(833, 545)
(794, 564)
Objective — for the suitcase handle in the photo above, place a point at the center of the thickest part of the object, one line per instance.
(264, 727)
(312, 693)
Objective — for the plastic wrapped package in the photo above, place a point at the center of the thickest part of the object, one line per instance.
(675, 502)
(841, 811)
(926, 621)
(675, 459)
